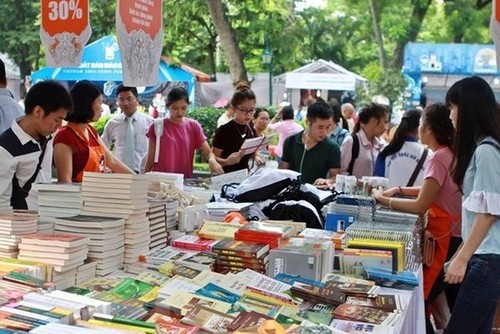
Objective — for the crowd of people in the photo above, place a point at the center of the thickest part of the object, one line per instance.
(441, 161)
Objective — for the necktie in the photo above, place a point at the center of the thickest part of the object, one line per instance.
(129, 149)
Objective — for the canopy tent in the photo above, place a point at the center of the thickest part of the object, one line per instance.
(321, 75)
(101, 63)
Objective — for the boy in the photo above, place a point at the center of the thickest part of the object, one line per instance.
(26, 147)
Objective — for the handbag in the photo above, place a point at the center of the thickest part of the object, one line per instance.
(428, 247)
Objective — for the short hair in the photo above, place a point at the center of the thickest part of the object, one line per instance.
(287, 112)
(177, 93)
(319, 110)
(50, 96)
(83, 94)
(347, 106)
(122, 88)
(242, 94)
(3, 73)
(258, 111)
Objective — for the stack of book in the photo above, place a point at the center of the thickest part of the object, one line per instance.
(64, 252)
(85, 272)
(57, 200)
(309, 258)
(157, 217)
(172, 206)
(12, 228)
(194, 242)
(124, 196)
(270, 233)
(159, 181)
(313, 233)
(235, 256)
(217, 211)
(106, 239)
(218, 230)
(348, 209)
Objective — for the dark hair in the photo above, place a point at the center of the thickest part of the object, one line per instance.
(258, 111)
(242, 93)
(3, 73)
(50, 96)
(319, 110)
(437, 116)
(409, 123)
(371, 110)
(478, 116)
(177, 93)
(83, 94)
(122, 88)
(287, 112)
(337, 112)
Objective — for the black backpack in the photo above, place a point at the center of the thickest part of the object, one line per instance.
(354, 152)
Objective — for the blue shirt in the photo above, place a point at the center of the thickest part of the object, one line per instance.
(338, 135)
(9, 109)
(481, 194)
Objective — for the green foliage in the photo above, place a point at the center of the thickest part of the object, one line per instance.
(390, 84)
(207, 117)
(99, 125)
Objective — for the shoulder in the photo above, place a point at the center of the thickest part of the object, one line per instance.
(63, 133)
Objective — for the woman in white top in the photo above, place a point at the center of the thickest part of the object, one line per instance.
(399, 159)
(359, 151)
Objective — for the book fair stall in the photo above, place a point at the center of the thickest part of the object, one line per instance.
(124, 253)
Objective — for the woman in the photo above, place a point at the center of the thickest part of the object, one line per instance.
(180, 138)
(339, 133)
(285, 128)
(476, 157)
(359, 151)
(229, 137)
(77, 146)
(400, 158)
(260, 121)
(438, 194)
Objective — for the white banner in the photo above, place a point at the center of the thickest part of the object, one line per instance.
(329, 81)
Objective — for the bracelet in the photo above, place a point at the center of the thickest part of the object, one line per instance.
(390, 203)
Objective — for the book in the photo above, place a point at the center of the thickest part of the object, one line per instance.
(323, 295)
(217, 230)
(130, 288)
(182, 302)
(247, 319)
(397, 248)
(207, 319)
(354, 289)
(218, 293)
(405, 280)
(252, 145)
(240, 248)
(54, 240)
(389, 303)
(316, 312)
(354, 327)
(194, 242)
(364, 314)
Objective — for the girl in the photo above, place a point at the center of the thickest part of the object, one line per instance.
(438, 194)
(400, 158)
(77, 146)
(181, 137)
(476, 156)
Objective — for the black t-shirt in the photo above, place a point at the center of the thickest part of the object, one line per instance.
(229, 138)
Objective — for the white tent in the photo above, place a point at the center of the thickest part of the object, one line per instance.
(13, 75)
(321, 75)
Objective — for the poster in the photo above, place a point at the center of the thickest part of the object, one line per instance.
(140, 38)
(65, 30)
(495, 27)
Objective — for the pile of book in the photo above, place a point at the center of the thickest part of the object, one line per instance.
(171, 207)
(159, 181)
(64, 252)
(124, 196)
(12, 228)
(234, 256)
(194, 242)
(57, 200)
(157, 217)
(105, 239)
(85, 272)
(217, 211)
(270, 233)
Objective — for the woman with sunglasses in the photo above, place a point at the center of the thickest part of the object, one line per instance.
(230, 136)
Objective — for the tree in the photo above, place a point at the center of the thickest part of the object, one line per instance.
(228, 40)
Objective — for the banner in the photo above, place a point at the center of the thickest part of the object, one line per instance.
(65, 30)
(495, 27)
(140, 38)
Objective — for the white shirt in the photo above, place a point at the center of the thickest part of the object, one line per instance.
(21, 159)
(116, 130)
(399, 166)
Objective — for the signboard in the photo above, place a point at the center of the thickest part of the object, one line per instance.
(64, 31)
(328, 81)
(495, 27)
(140, 38)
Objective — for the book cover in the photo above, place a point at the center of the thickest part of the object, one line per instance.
(131, 288)
(218, 293)
(364, 314)
(389, 303)
(405, 280)
(209, 320)
(397, 249)
(240, 248)
(316, 312)
(324, 295)
(194, 242)
(217, 230)
(247, 319)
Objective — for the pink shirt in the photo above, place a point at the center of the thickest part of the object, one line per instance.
(177, 146)
(368, 152)
(284, 129)
(448, 197)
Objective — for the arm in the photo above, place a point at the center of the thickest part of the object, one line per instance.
(284, 165)
(232, 159)
(215, 167)
(276, 117)
(106, 136)
(114, 163)
(150, 156)
(63, 161)
(421, 204)
(458, 266)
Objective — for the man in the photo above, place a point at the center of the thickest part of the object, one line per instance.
(349, 114)
(26, 147)
(9, 108)
(127, 131)
(311, 152)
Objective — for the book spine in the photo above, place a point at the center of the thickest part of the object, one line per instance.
(123, 320)
(235, 253)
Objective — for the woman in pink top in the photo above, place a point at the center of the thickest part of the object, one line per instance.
(285, 128)
(439, 196)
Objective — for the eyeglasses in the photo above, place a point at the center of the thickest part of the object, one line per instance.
(245, 111)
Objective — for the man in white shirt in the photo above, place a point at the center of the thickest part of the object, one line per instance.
(9, 109)
(131, 152)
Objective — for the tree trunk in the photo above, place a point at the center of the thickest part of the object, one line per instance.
(378, 34)
(228, 41)
(416, 18)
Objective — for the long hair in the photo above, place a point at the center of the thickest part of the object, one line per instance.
(478, 116)
(437, 117)
(367, 112)
(409, 123)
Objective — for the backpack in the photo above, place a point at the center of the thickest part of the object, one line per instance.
(354, 152)
(158, 123)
